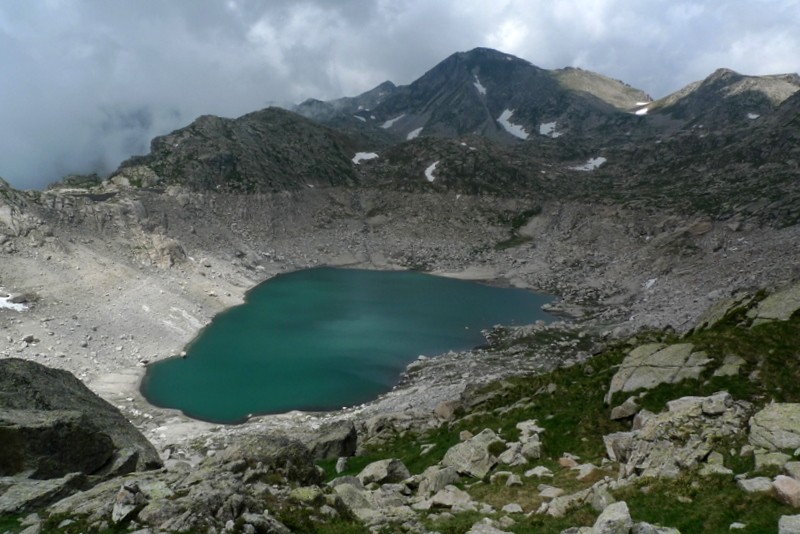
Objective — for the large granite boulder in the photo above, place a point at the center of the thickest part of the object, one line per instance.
(333, 440)
(776, 427)
(51, 424)
(51, 444)
(652, 364)
(779, 306)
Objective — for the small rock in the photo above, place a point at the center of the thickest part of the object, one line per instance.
(550, 492)
(787, 490)
(451, 496)
(446, 409)
(771, 459)
(792, 469)
(512, 508)
(717, 403)
(513, 480)
(568, 462)
(737, 526)
(625, 410)
(615, 519)
(789, 524)
(485, 526)
(384, 471)
(730, 366)
(755, 485)
(714, 469)
(539, 471)
(341, 464)
(585, 471)
(128, 501)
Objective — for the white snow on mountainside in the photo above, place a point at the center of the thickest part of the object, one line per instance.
(514, 129)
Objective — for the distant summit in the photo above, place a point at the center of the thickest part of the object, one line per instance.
(487, 93)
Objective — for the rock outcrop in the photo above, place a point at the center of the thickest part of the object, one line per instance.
(776, 427)
(51, 424)
(671, 442)
(779, 306)
(650, 365)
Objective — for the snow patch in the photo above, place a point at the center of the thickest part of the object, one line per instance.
(429, 171)
(590, 165)
(363, 156)
(390, 122)
(362, 119)
(5, 302)
(642, 103)
(481, 89)
(513, 129)
(549, 129)
(413, 134)
(650, 283)
(753, 116)
(641, 112)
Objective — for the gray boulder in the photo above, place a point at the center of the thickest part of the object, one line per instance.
(652, 364)
(435, 479)
(789, 524)
(47, 416)
(335, 440)
(472, 457)
(779, 306)
(51, 444)
(383, 472)
(776, 427)
(615, 519)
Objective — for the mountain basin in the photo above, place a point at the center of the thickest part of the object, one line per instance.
(327, 338)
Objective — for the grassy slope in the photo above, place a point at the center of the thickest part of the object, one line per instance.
(575, 419)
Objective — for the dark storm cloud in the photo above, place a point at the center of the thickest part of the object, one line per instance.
(86, 84)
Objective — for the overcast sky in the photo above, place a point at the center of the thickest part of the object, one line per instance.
(87, 83)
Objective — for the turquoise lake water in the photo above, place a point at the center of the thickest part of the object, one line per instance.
(326, 338)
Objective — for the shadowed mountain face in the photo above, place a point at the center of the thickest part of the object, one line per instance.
(268, 150)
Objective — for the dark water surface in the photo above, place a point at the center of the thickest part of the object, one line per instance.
(325, 338)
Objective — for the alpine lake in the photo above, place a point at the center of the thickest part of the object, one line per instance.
(326, 338)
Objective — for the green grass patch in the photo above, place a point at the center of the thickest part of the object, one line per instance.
(710, 504)
(10, 523)
(516, 240)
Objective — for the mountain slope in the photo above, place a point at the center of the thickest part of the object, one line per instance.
(495, 95)
(726, 98)
(268, 150)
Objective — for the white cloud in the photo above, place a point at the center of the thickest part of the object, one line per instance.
(95, 80)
